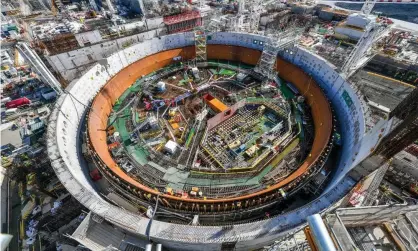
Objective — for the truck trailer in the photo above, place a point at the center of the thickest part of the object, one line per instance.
(18, 103)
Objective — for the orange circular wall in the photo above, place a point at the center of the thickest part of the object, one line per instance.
(105, 99)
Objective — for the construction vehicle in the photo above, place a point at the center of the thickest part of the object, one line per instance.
(18, 102)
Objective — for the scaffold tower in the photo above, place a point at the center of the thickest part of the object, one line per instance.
(200, 44)
(267, 62)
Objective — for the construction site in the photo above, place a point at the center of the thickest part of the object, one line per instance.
(215, 120)
(207, 125)
(209, 132)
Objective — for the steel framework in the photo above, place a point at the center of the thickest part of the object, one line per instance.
(243, 21)
(267, 62)
(407, 107)
(110, 6)
(200, 44)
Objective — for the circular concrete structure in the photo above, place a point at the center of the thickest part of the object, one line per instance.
(314, 78)
(106, 98)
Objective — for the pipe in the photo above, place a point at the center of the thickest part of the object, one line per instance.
(148, 247)
(320, 233)
(159, 247)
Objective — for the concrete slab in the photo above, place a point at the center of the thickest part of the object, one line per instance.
(11, 137)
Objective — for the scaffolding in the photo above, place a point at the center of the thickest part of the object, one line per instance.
(224, 23)
(244, 21)
(359, 228)
(267, 63)
(255, 17)
(37, 5)
(200, 44)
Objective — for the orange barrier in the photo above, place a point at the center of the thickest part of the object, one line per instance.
(104, 101)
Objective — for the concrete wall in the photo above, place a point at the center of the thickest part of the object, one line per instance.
(89, 37)
(63, 147)
(345, 101)
(74, 64)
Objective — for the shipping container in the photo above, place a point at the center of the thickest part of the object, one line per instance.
(49, 95)
(215, 104)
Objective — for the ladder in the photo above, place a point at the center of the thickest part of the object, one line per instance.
(267, 63)
(200, 44)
